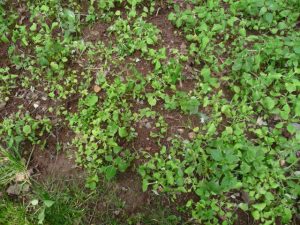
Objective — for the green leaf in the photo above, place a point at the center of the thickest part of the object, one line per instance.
(41, 216)
(268, 17)
(151, 100)
(123, 132)
(297, 49)
(216, 155)
(255, 215)
(54, 66)
(33, 27)
(27, 129)
(91, 100)
(189, 170)
(48, 203)
(110, 172)
(262, 11)
(170, 177)
(291, 129)
(287, 216)
(243, 206)
(70, 15)
(45, 8)
(145, 185)
(297, 108)
(269, 103)
(260, 206)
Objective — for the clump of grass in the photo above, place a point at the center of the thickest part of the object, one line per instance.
(12, 213)
(10, 167)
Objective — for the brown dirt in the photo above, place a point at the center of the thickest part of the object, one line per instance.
(51, 161)
(143, 141)
(4, 56)
(130, 192)
(47, 163)
(170, 37)
(143, 66)
(96, 32)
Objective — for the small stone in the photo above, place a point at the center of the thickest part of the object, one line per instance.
(2, 105)
(95, 33)
(148, 148)
(36, 105)
(38, 117)
(192, 135)
(282, 162)
(13, 189)
(296, 125)
(124, 189)
(148, 125)
(260, 121)
(97, 88)
(22, 176)
(180, 131)
(117, 212)
(277, 118)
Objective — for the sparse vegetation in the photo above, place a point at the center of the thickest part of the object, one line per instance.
(149, 112)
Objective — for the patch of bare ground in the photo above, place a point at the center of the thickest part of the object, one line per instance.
(4, 56)
(96, 32)
(141, 64)
(170, 37)
(143, 141)
(57, 158)
(130, 192)
(35, 102)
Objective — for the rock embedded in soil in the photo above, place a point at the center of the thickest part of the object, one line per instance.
(2, 105)
(192, 135)
(180, 131)
(97, 88)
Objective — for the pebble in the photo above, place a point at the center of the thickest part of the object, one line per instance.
(192, 135)
(180, 131)
(282, 163)
(97, 88)
(2, 105)
(148, 125)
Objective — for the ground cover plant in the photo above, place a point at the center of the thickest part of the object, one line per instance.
(149, 112)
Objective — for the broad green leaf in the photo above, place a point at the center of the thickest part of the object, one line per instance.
(123, 132)
(268, 17)
(145, 185)
(110, 172)
(151, 100)
(256, 214)
(27, 129)
(91, 100)
(260, 206)
(48, 203)
(269, 103)
(170, 177)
